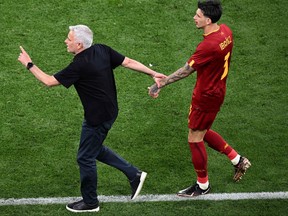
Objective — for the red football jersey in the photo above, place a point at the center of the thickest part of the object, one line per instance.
(211, 60)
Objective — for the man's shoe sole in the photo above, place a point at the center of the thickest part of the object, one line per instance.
(142, 179)
(80, 211)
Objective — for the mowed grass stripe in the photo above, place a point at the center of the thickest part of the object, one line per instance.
(147, 198)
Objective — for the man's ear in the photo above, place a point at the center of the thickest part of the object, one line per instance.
(208, 21)
(79, 46)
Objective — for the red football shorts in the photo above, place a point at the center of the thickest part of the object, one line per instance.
(201, 120)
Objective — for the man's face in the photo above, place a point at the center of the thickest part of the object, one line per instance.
(72, 45)
(200, 20)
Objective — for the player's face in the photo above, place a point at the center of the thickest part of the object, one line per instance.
(71, 44)
(200, 20)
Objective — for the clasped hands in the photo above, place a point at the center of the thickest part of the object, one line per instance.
(154, 89)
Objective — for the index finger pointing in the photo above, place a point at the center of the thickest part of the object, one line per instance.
(22, 49)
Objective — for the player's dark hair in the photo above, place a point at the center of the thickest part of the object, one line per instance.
(211, 9)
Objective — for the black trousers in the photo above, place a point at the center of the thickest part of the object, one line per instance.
(91, 148)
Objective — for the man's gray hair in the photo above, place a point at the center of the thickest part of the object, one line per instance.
(83, 34)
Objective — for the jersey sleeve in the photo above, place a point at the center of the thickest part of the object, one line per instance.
(68, 76)
(201, 56)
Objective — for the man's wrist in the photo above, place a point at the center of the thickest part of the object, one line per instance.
(29, 65)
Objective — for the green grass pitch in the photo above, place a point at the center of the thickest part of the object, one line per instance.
(40, 127)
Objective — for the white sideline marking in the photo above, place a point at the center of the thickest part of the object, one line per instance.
(146, 198)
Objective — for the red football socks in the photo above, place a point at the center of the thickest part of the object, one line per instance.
(199, 160)
(216, 142)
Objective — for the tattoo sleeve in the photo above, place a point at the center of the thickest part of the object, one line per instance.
(181, 73)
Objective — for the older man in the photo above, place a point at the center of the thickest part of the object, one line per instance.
(91, 73)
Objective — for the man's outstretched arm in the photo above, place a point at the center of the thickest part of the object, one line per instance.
(181, 73)
(46, 79)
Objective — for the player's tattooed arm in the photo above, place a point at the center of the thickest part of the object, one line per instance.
(181, 73)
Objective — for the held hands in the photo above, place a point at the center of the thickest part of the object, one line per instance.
(154, 90)
(158, 77)
(24, 58)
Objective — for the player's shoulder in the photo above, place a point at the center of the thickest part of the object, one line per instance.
(226, 28)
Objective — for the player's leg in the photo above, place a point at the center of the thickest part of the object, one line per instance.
(216, 142)
(199, 161)
(198, 124)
